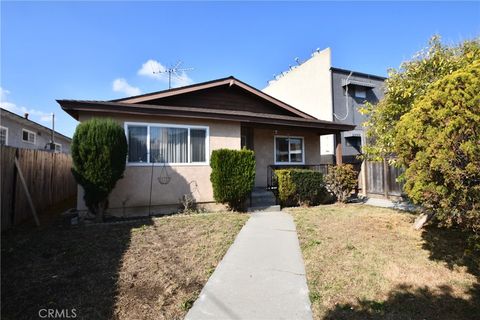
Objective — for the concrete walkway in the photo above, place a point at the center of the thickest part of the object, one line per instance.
(262, 276)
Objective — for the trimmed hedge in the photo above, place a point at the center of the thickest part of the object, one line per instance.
(232, 177)
(300, 187)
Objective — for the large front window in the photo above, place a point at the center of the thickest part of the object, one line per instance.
(161, 143)
(289, 150)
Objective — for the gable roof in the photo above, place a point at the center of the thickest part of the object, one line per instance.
(20, 119)
(73, 107)
(229, 81)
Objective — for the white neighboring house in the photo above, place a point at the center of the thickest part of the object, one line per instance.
(331, 94)
(21, 132)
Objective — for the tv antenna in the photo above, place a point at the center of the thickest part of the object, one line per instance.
(172, 71)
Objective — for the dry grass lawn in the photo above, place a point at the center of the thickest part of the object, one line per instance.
(365, 262)
(136, 270)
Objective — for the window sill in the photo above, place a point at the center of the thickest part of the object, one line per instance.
(143, 164)
(289, 163)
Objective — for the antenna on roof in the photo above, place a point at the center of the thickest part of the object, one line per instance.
(172, 71)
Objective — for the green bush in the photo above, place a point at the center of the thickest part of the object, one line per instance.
(300, 187)
(438, 143)
(99, 151)
(341, 180)
(233, 176)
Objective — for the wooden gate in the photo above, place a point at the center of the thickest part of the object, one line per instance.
(382, 179)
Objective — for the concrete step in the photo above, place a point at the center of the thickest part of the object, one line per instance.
(264, 208)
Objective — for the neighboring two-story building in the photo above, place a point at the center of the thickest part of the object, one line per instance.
(331, 94)
(21, 132)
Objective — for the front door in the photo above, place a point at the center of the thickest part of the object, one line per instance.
(246, 134)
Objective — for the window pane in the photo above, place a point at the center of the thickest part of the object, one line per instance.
(360, 92)
(177, 142)
(281, 149)
(3, 136)
(197, 144)
(296, 150)
(25, 135)
(137, 144)
(158, 144)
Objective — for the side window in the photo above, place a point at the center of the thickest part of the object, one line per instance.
(360, 92)
(3, 136)
(28, 136)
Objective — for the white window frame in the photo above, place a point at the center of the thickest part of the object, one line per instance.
(288, 163)
(6, 134)
(58, 144)
(168, 125)
(363, 90)
(34, 136)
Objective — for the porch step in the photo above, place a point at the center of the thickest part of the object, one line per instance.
(261, 197)
(265, 208)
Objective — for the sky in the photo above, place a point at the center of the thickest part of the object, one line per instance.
(106, 50)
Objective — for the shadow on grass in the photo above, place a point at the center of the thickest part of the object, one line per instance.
(408, 302)
(450, 246)
(63, 268)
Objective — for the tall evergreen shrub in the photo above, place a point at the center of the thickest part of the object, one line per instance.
(233, 176)
(99, 151)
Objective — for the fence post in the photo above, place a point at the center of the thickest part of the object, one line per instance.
(364, 177)
(385, 177)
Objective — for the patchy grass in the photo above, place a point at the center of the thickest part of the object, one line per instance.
(365, 262)
(136, 270)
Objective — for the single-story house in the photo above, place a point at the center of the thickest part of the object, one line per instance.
(172, 133)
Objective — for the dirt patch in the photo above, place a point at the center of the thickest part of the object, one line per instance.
(152, 269)
(365, 262)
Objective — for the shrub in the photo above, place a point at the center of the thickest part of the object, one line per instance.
(233, 176)
(341, 180)
(99, 152)
(300, 187)
(438, 144)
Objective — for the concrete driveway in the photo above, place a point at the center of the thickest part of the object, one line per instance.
(262, 276)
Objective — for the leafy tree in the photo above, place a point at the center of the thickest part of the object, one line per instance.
(438, 142)
(407, 84)
(233, 176)
(99, 151)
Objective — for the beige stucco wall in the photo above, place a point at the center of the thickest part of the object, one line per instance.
(134, 189)
(264, 143)
(308, 87)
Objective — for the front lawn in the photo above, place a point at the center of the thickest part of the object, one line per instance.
(138, 270)
(365, 262)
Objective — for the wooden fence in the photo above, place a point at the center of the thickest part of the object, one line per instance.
(48, 178)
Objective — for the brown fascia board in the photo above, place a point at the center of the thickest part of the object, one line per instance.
(73, 107)
(230, 81)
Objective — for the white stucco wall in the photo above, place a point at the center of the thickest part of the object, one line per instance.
(308, 87)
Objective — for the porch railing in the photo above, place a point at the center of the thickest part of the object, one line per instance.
(272, 182)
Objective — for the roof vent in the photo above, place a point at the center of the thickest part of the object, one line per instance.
(26, 115)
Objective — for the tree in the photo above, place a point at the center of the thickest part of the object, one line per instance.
(99, 151)
(438, 142)
(408, 84)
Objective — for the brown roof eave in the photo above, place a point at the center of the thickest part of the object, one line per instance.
(73, 108)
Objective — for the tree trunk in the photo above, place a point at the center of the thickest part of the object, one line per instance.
(100, 211)
(422, 220)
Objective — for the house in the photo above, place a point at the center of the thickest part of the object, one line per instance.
(21, 132)
(331, 94)
(172, 133)
(335, 94)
